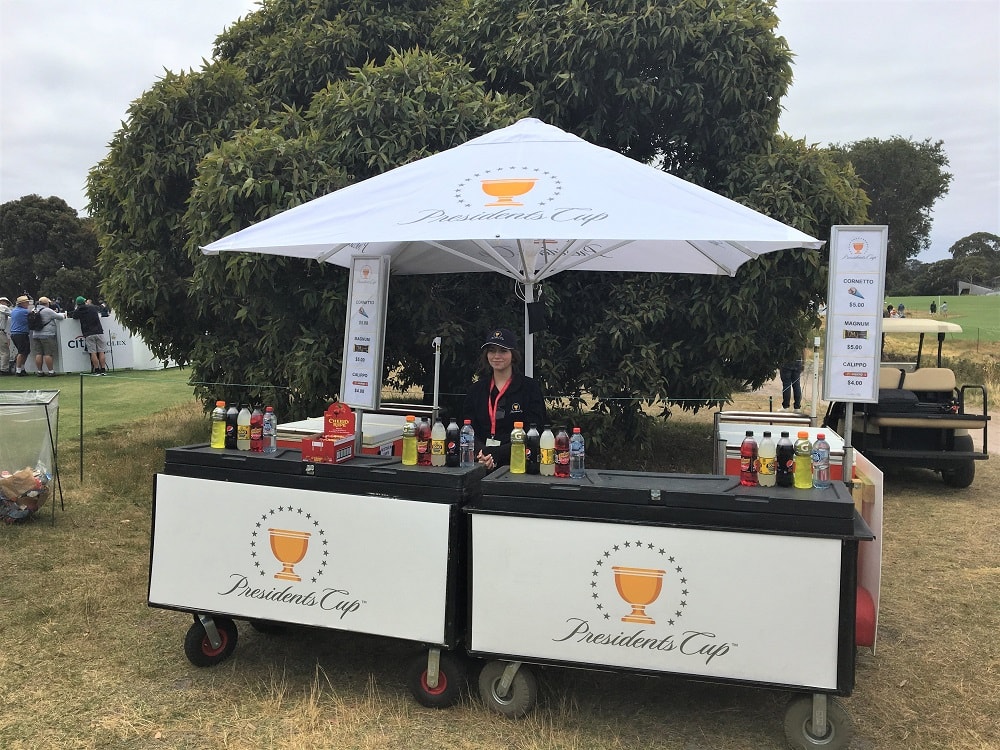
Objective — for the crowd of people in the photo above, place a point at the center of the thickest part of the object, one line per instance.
(19, 340)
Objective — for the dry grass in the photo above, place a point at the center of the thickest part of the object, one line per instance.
(84, 663)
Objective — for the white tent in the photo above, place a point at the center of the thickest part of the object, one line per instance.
(527, 201)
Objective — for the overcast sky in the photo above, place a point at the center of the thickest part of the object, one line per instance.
(863, 68)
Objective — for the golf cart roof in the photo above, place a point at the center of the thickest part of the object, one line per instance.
(918, 325)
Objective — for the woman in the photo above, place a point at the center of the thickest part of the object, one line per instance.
(500, 397)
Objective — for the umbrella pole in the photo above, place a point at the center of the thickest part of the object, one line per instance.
(436, 343)
(529, 349)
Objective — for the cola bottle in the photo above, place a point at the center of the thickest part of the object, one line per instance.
(562, 452)
(532, 449)
(451, 444)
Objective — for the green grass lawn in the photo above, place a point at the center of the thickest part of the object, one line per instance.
(978, 315)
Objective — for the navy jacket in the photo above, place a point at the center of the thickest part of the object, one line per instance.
(521, 402)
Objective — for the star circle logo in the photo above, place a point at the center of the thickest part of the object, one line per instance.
(510, 186)
(638, 581)
(288, 544)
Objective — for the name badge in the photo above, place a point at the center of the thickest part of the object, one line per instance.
(492, 443)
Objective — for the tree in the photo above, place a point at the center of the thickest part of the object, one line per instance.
(306, 97)
(46, 249)
(903, 179)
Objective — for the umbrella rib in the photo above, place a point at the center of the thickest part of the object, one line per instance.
(485, 247)
(322, 258)
(582, 258)
(724, 269)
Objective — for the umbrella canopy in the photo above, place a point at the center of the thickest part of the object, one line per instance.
(527, 201)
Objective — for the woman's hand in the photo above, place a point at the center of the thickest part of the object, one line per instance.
(486, 460)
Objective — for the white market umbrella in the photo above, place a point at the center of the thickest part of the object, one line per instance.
(527, 201)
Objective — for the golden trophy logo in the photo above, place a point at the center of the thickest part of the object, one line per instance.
(638, 587)
(289, 547)
(505, 190)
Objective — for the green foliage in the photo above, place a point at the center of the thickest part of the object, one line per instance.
(307, 96)
(903, 179)
(976, 259)
(46, 249)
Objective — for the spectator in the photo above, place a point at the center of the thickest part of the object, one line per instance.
(944, 307)
(44, 340)
(20, 334)
(92, 331)
(933, 307)
(901, 311)
(4, 336)
(889, 312)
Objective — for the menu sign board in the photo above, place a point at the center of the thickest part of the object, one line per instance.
(364, 334)
(854, 313)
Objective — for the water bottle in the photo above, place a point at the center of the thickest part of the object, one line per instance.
(270, 430)
(517, 457)
(562, 452)
(577, 455)
(532, 447)
(410, 441)
(243, 429)
(452, 437)
(467, 445)
(257, 430)
(803, 475)
(821, 462)
(424, 442)
(784, 461)
(438, 434)
(219, 425)
(748, 461)
(232, 415)
(547, 453)
(766, 461)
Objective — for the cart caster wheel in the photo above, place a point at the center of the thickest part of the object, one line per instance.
(198, 648)
(268, 627)
(451, 679)
(799, 729)
(521, 697)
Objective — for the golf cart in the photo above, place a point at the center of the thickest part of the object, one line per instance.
(921, 417)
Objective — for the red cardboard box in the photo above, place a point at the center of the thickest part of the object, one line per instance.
(329, 450)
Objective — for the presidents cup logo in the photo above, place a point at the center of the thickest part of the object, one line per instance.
(859, 249)
(508, 186)
(638, 587)
(288, 546)
(640, 592)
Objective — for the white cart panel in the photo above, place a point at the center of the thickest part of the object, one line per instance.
(754, 607)
(366, 564)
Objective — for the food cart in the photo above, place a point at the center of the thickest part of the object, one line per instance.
(690, 575)
(368, 546)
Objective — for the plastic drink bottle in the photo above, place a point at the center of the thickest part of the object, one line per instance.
(257, 430)
(219, 425)
(438, 435)
(467, 445)
(821, 462)
(243, 429)
(766, 461)
(410, 441)
(784, 461)
(748, 461)
(232, 415)
(451, 441)
(532, 447)
(562, 452)
(803, 475)
(270, 436)
(517, 457)
(577, 455)
(424, 442)
(547, 453)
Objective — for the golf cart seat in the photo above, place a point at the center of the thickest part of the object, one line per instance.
(925, 398)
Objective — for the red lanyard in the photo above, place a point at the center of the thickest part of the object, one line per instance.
(491, 404)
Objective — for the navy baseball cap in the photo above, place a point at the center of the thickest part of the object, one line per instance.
(502, 337)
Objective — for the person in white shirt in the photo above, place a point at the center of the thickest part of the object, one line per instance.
(4, 336)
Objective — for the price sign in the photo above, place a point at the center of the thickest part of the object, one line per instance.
(854, 313)
(364, 334)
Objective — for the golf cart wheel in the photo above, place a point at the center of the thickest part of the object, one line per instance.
(521, 697)
(451, 679)
(962, 473)
(199, 649)
(801, 734)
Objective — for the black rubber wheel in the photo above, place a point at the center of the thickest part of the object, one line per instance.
(451, 680)
(799, 729)
(962, 474)
(199, 649)
(268, 627)
(521, 697)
